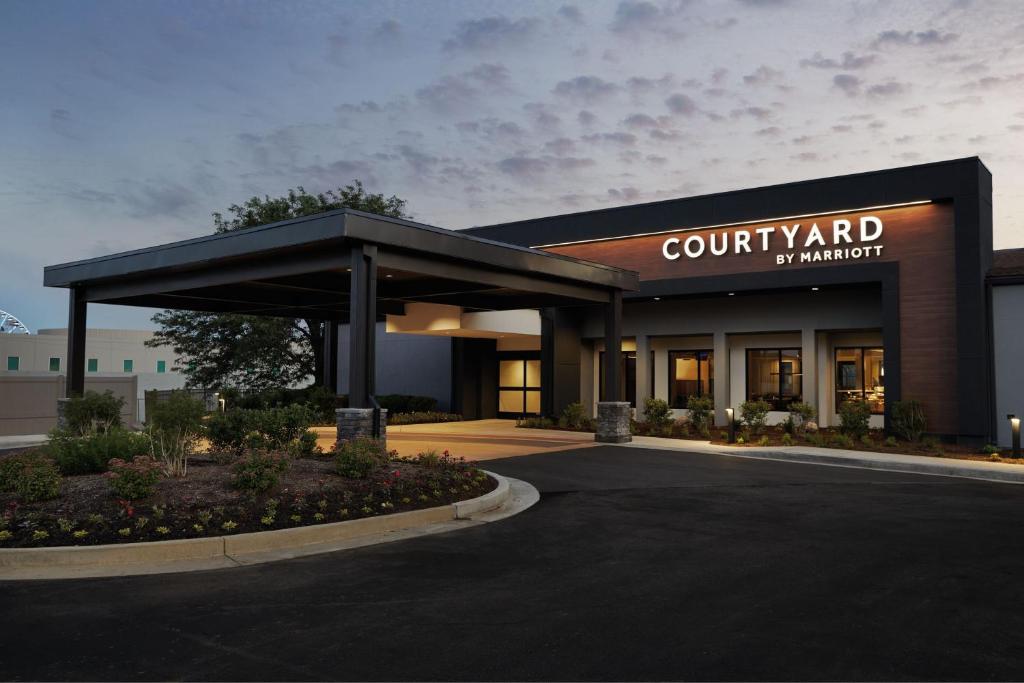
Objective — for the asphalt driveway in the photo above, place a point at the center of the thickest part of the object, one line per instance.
(636, 564)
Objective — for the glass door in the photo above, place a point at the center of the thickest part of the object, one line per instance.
(518, 386)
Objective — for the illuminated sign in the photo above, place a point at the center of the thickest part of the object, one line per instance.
(794, 243)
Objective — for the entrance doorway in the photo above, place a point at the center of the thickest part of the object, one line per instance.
(518, 384)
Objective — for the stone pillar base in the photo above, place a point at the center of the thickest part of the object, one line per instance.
(613, 422)
(62, 420)
(354, 423)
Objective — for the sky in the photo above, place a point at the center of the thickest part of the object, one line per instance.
(125, 124)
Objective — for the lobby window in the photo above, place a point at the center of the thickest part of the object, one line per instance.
(627, 388)
(519, 386)
(13, 363)
(690, 373)
(129, 364)
(860, 376)
(775, 376)
(54, 364)
(92, 365)
(161, 366)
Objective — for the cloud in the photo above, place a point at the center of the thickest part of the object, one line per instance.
(523, 166)
(155, 198)
(627, 194)
(848, 62)
(771, 131)
(656, 159)
(571, 13)
(618, 138)
(995, 82)
(451, 93)
(541, 115)
(681, 104)
(640, 121)
(848, 83)
(763, 74)
(586, 118)
(718, 75)
(585, 88)
(641, 16)
(843, 128)
(62, 123)
(759, 113)
(927, 38)
(492, 32)
(389, 29)
(560, 146)
(641, 85)
(889, 89)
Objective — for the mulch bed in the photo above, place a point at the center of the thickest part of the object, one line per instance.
(204, 503)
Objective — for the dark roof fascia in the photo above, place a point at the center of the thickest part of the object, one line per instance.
(336, 227)
(940, 180)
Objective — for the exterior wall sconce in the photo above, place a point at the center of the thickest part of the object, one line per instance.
(1015, 434)
(729, 415)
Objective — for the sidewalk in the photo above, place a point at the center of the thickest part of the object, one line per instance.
(22, 441)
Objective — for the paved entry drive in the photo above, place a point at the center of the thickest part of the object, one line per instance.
(635, 564)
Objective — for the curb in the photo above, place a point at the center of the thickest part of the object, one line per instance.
(902, 463)
(229, 551)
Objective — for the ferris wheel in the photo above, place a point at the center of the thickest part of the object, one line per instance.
(11, 325)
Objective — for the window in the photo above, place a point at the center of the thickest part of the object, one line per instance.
(775, 376)
(13, 362)
(860, 376)
(519, 386)
(690, 373)
(161, 366)
(129, 364)
(54, 364)
(92, 365)
(627, 388)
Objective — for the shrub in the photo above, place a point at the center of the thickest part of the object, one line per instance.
(763, 441)
(281, 426)
(755, 414)
(241, 428)
(574, 416)
(908, 420)
(32, 476)
(854, 418)
(93, 412)
(136, 479)
(656, 412)
(259, 471)
(228, 430)
(305, 445)
(175, 428)
(932, 444)
(422, 418)
(701, 415)
(404, 403)
(891, 442)
(800, 414)
(93, 451)
(359, 458)
(867, 440)
(842, 440)
(787, 440)
(990, 449)
(535, 422)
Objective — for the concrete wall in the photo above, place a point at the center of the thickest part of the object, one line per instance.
(406, 364)
(28, 401)
(109, 347)
(1008, 360)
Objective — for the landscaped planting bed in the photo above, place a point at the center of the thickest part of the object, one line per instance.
(97, 483)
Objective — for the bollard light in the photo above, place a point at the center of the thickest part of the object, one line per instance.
(1015, 434)
(732, 425)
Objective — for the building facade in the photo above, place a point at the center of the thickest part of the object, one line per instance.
(876, 287)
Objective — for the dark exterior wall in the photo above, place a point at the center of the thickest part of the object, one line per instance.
(406, 364)
(474, 364)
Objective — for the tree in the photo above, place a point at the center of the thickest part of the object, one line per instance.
(252, 352)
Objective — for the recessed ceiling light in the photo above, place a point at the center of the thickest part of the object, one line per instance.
(389, 275)
(814, 289)
(732, 293)
(657, 298)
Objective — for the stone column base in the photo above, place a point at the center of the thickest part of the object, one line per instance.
(354, 423)
(613, 422)
(62, 420)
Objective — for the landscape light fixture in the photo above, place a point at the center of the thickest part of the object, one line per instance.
(732, 424)
(1015, 434)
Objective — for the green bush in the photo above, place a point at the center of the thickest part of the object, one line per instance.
(909, 421)
(755, 415)
(990, 449)
(304, 446)
(800, 414)
(31, 475)
(228, 430)
(701, 413)
(359, 458)
(281, 426)
(787, 439)
(404, 403)
(656, 412)
(422, 418)
(891, 442)
(241, 428)
(179, 415)
(134, 480)
(574, 416)
(92, 452)
(93, 412)
(842, 441)
(259, 471)
(535, 422)
(854, 418)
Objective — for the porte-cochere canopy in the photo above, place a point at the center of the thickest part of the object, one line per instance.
(342, 266)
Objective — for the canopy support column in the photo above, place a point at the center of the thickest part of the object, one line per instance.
(75, 385)
(612, 414)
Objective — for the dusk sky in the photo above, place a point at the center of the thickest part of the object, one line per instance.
(125, 124)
